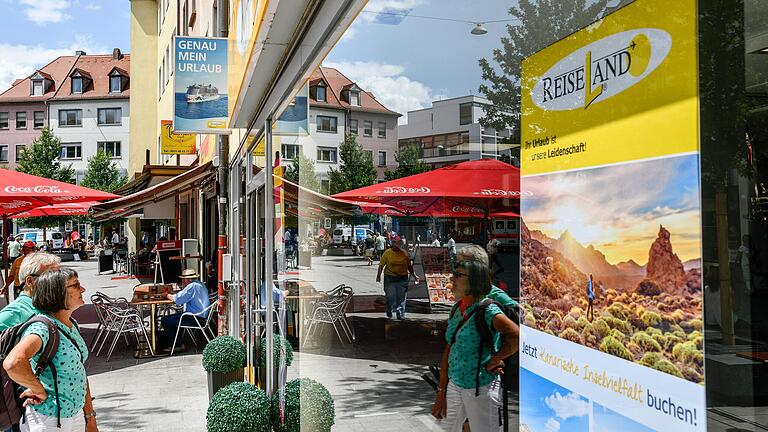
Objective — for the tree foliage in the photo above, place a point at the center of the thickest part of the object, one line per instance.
(408, 163)
(302, 172)
(356, 168)
(103, 174)
(538, 23)
(42, 159)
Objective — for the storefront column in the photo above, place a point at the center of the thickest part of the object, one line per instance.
(269, 237)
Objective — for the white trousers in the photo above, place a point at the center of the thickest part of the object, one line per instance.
(482, 411)
(36, 422)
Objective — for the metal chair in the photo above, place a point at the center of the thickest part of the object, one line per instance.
(205, 328)
(123, 321)
(100, 301)
(332, 311)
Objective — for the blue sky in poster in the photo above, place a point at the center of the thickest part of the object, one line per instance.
(203, 61)
(606, 420)
(548, 407)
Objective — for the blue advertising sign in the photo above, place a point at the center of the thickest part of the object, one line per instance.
(200, 85)
(294, 119)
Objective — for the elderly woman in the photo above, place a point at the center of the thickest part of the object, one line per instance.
(466, 391)
(58, 293)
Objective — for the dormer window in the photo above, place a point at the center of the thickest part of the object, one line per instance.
(80, 81)
(77, 85)
(320, 93)
(37, 87)
(118, 80)
(354, 98)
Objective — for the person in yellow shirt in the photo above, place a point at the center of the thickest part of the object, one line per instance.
(396, 265)
(13, 275)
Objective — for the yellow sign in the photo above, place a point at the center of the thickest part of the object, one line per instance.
(624, 88)
(174, 143)
(245, 19)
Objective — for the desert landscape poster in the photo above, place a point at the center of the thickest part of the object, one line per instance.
(635, 228)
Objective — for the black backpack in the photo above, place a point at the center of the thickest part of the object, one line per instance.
(11, 405)
(510, 378)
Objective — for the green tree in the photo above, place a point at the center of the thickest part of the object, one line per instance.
(408, 163)
(302, 172)
(538, 23)
(103, 174)
(356, 168)
(42, 159)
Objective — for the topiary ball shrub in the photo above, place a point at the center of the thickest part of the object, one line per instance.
(224, 354)
(308, 408)
(282, 347)
(239, 407)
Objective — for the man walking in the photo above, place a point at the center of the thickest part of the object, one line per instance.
(14, 274)
(451, 244)
(14, 248)
(115, 239)
(381, 244)
(396, 265)
(493, 255)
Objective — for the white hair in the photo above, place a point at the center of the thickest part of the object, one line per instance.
(33, 264)
(473, 252)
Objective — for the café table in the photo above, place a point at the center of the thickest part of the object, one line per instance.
(301, 297)
(154, 296)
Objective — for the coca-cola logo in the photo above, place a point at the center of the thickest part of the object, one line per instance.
(501, 192)
(15, 204)
(33, 189)
(461, 209)
(410, 203)
(70, 211)
(405, 190)
(66, 199)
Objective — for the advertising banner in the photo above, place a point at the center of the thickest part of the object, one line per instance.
(294, 120)
(611, 290)
(200, 85)
(173, 143)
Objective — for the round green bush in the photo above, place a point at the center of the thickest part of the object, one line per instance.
(239, 407)
(612, 346)
(224, 354)
(308, 408)
(282, 347)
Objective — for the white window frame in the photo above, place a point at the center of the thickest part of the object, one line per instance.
(119, 117)
(16, 120)
(119, 81)
(34, 119)
(331, 151)
(38, 83)
(356, 95)
(382, 133)
(6, 120)
(116, 145)
(76, 111)
(6, 149)
(384, 163)
(334, 120)
(21, 147)
(318, 88)
(368, 128)
(76, 145)
(295, 150)
(354, 129)
(78, 80)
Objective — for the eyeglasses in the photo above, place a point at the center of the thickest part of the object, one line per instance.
(457, 274)
(75, 285)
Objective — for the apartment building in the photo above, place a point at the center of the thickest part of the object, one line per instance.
(449, 132)
(338, 106)
(83, 98)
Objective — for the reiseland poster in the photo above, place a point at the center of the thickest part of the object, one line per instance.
(611, 290)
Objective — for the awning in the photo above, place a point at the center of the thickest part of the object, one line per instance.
(124, 206)
(315, 202)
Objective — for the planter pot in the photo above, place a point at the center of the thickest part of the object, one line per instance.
(217, 380)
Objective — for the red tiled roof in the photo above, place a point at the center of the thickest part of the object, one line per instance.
(337, 83)
(95, 67)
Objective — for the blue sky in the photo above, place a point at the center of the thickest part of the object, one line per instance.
(34, 32)
(610, 421)
(548, 407)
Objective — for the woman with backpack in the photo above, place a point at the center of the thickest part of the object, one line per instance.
(471, 388)
(58, 397)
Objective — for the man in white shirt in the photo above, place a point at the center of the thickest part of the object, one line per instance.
(115, 238)
(493, 255)
(451, 244)
(14, 249)
(435, 241)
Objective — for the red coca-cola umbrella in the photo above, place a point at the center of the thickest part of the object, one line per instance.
(21, 192)
(486, 185)
(66, 209)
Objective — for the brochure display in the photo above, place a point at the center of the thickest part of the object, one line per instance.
(437, 274)
(611, 290)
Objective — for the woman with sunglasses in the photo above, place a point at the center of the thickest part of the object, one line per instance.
(466, 391)
(63, 404)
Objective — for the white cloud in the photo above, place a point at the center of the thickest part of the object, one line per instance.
(372, 8)
(46, 11)
(565, 407)
(552, 425)
(93, 6)
(389, 84)
(19, 61)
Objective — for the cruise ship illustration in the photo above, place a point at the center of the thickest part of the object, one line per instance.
(202, 93)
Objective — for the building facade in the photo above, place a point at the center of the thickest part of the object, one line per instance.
(337, 107)
(83, 99)
(450, 132)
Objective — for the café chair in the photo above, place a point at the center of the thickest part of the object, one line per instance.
(121, 322)
(204, 326)
(332, 310)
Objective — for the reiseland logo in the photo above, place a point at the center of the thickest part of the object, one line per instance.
(602, 69)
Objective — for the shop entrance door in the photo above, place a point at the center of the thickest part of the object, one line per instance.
(254, 270)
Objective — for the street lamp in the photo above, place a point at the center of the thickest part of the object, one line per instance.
(479, 29)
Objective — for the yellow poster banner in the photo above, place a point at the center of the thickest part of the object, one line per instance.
(624, 88)
(175, 143)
